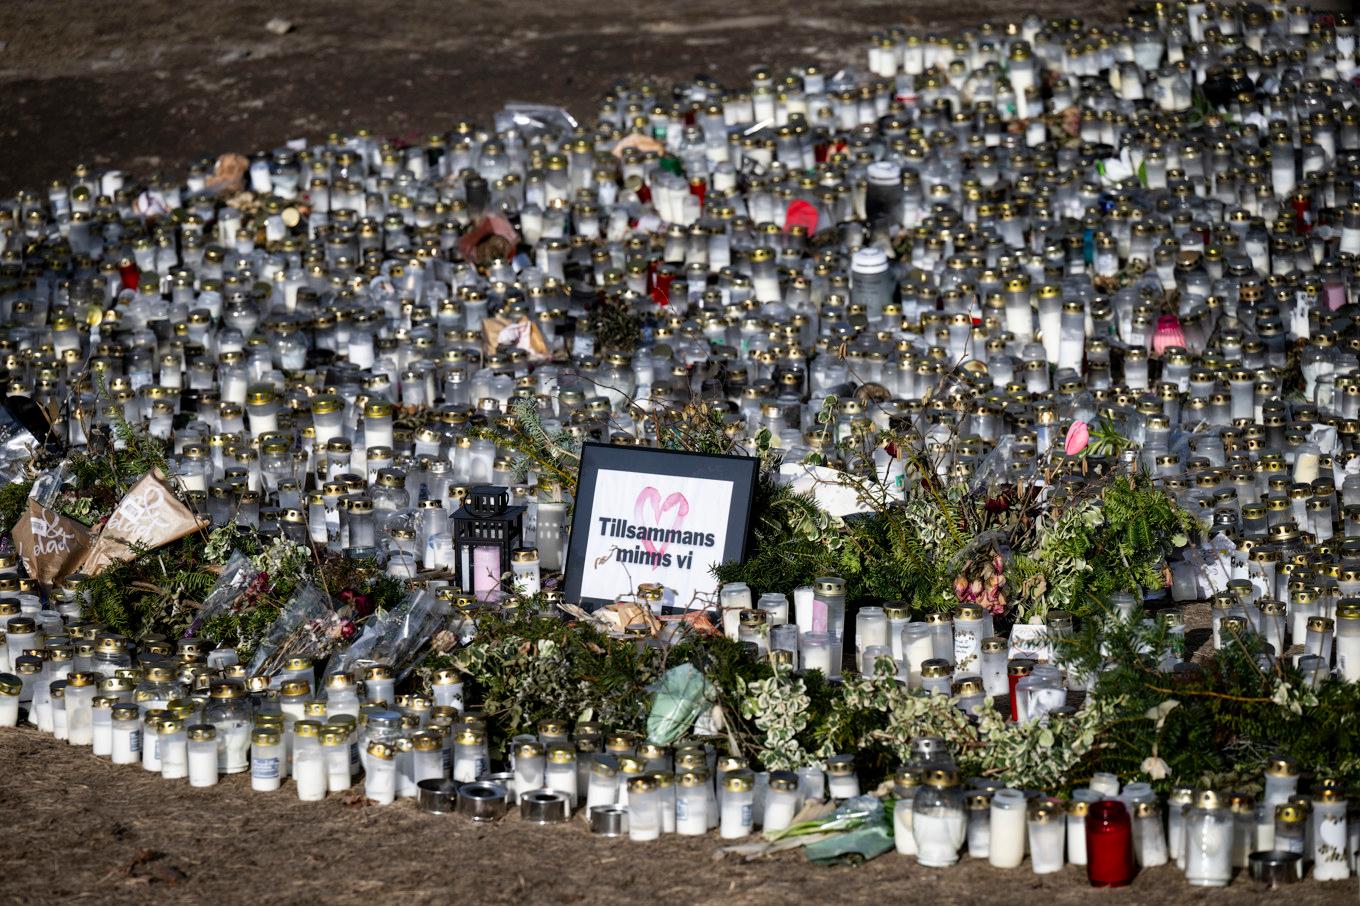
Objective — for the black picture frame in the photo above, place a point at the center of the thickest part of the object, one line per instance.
(741, 471)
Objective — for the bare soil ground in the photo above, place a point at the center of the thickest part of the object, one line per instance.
(151, 85)
(82, 830)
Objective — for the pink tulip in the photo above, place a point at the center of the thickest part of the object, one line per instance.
(1078, 436)
(1167, 334)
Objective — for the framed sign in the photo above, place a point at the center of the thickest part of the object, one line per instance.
(645, 515)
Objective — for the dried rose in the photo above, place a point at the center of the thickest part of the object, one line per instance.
(490, 238)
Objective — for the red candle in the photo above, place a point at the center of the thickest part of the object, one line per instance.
(1303, 221)
(640, 189)
(1109, 844)
(661, 288)
(129, 273)
(1017, 670)
(698, 187)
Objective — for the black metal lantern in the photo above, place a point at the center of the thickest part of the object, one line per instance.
(486, 528)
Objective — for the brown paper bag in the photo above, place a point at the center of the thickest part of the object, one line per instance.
(522, 334)
(624, 615)
(51, 545)
(148, 517)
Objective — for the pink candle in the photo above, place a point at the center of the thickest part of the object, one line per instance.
(486, 572)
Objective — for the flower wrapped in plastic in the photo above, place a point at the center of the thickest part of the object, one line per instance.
(304, 628)
(396, 636)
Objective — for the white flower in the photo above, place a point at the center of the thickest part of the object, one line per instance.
(1158, 713)
(1154, 767)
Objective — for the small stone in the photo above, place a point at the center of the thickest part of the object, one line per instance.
(279, 26)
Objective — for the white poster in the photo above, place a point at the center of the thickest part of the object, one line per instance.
(665, 529)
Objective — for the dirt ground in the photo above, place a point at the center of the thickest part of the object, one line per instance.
(151, 85)
(82, 830)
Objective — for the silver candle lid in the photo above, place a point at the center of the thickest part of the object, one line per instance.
(543, 806)
(1274, 867)
(482, 801)
(504, 779)
(437, 795)
(609, 820)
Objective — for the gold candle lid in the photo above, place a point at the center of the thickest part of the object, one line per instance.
(1290, 813)
(738, 783)
(941, 777)
(1282, 766)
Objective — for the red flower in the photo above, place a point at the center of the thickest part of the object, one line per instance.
(258, 587)
(347, 630)
(363, 605)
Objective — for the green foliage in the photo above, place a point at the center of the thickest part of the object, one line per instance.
(1214, 725)
(615, 324)
(154, 592)
(1140, 527)
(13, 502)
(140, 453)
(524, 668)
(1069, 553)
(556, 456)
(96, 482)
(1106, 439)
(793, 541)
(793, 721)
(880, 555)
(242, 630)
(695, 427)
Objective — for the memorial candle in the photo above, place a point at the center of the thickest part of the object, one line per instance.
(1109, 844)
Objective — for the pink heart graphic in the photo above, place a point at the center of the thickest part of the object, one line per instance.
(675, 501)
